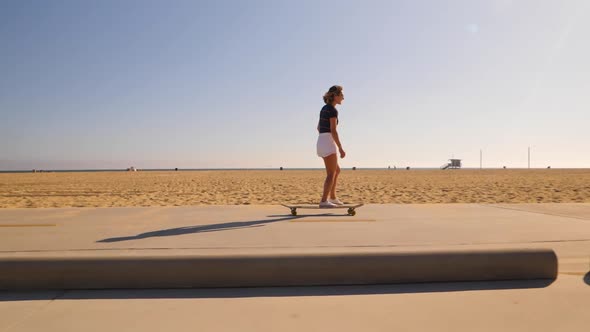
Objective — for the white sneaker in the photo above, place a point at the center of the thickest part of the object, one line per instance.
(335, 201)
(327, 205)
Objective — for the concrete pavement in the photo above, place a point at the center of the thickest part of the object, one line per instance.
(228, 230)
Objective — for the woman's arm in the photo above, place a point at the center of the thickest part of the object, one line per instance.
(334, 133)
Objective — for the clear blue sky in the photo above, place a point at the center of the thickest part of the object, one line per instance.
(208, 84)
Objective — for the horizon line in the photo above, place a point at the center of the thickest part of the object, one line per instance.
(264, 168)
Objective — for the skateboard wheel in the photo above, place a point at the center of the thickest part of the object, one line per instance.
(293, 212)
(351, 212)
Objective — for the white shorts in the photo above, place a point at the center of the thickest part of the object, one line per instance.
(326, 145)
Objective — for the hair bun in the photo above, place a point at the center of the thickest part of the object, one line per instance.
(335, 90)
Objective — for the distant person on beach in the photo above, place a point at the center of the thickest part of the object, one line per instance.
(328, 140)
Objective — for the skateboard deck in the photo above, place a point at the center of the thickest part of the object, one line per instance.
(351, 208)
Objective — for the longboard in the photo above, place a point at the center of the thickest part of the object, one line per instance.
(351, 211)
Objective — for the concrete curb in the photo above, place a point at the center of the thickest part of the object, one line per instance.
(196, 271)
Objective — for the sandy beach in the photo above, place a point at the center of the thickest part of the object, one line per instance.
(184, 188)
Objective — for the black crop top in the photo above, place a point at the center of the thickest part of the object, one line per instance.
(327, 112)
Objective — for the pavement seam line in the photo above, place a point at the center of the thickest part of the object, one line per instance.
(295, 247)
(535, 212)
(59, 295)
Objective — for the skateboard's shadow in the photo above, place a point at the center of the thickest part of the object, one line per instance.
(309, 215)
(208, 228)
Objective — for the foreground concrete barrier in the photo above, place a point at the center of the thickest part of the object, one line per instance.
(274, 270)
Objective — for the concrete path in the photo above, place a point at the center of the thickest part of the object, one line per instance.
(223, 230)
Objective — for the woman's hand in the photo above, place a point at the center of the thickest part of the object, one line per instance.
(342, 153)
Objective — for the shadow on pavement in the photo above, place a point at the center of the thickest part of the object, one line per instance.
(587, 278)
(197, 229)
(209, 228)
(215, 293)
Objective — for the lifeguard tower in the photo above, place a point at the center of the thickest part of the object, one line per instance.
(454, 164)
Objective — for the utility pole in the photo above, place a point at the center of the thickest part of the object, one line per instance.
(480, 158)
(529, 157)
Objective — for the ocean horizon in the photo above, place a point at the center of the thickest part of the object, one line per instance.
(261, 169)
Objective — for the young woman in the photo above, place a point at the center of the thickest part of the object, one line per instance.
(328, 140)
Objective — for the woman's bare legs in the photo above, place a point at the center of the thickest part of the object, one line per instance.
(332, 168)
(333, 190)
